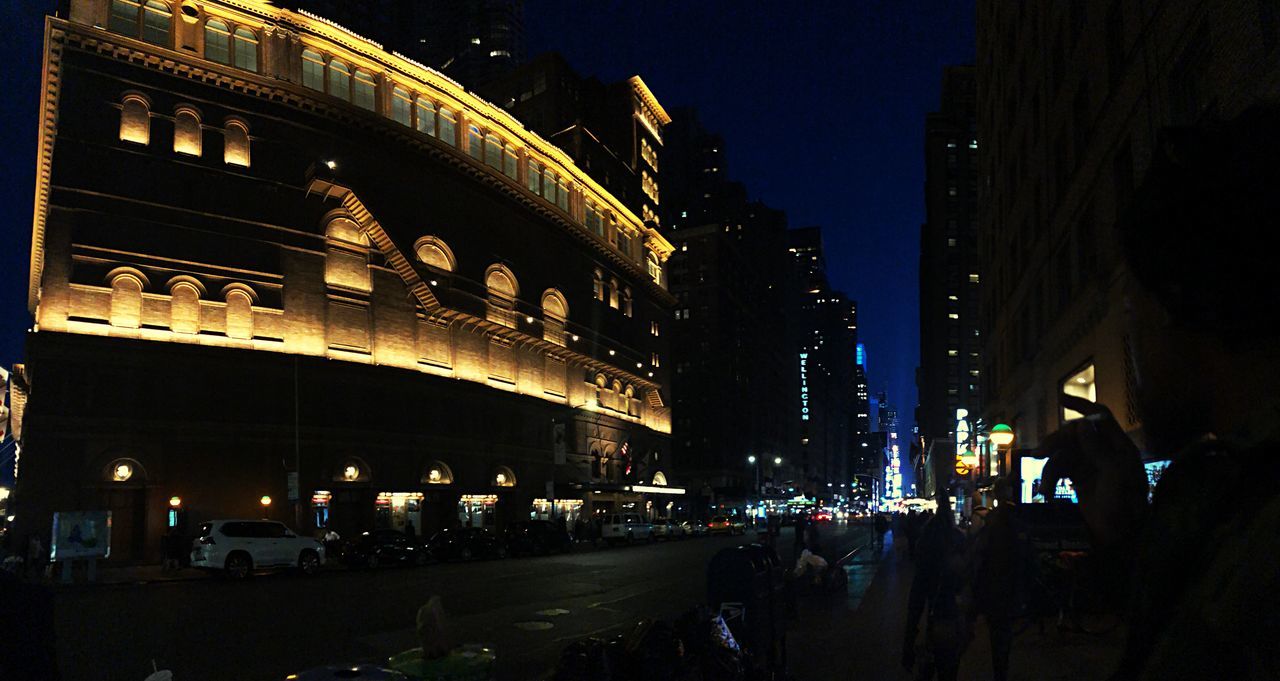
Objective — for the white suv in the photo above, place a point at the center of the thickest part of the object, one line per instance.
(241, 546)
(628, 527)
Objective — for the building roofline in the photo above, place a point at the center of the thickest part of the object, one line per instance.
(646, 96)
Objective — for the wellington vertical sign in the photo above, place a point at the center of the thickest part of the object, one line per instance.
(804, 386)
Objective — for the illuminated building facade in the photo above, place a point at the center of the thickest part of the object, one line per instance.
(272, 261)
(471, 41)
(1072, 98)
(613, 131)
(949, 380)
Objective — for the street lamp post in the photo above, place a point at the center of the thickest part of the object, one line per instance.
(751, 459)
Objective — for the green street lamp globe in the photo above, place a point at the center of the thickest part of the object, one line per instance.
(1001, 435)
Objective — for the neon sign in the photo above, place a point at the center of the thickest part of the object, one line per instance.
(804, 386)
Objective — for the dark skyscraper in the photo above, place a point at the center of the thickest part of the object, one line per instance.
(950, 347)
(826, 332)
(735, 388)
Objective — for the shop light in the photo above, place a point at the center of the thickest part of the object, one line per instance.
(175, 501)
(265, 500)
(331, 165)
(657, 490)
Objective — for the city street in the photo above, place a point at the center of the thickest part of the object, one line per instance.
(272, 625)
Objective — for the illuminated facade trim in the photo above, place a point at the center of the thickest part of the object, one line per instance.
(303, 30)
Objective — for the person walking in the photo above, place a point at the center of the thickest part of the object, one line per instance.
(880, 526)
(940, 577)
(173, 546)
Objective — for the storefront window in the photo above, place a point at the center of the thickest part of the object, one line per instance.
(544, 509)
(320, 507)
(477, 510)
(399, 511)
(1079, 384)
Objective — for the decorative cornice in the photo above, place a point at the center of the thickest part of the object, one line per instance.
(49, 90)
(646, 96)
(136, 51)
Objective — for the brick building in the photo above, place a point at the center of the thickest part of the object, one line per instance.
(272, 261)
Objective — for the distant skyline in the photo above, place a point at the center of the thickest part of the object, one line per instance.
(822, 113)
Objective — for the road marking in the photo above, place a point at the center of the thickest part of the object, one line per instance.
(536, 625)
(552, 612)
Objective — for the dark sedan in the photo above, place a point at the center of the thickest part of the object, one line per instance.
(465, 543)
(384, 547)
(537, 537)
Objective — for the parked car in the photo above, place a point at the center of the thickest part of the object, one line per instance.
(625, 527)
(465, 543)
(694, 528)
(537, 537)
(384, 547)
(239, 547)
(724, 525)
(666, 528)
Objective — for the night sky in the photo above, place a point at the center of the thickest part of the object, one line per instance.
(821, 105)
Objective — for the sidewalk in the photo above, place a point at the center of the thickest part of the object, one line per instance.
(859, 636)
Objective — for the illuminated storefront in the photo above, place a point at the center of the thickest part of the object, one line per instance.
(544, 509)
(477, 510)
(399, 511)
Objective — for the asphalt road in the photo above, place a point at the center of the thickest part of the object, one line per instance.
(272, 625)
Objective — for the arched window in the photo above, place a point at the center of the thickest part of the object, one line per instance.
(613, 293)
(346, 255)
(187, 135)
(448, 127)
(555, 311)
(217, 41)
(362, 89)
(438, 473)
(626, 301)
(509, 161)
(239, 313)
(602, 390)
(124, 470)
(435, 253)
(426, 116)
(184, 307)
(475, 143)
(502, 287)
(236, 146)
(135, 120)
(126, 301)
(401, 106)
(503, 477)
(156, 22)
(313, 70)
(493, 151)
(246, 49)
(629, 401)
(617, 403)
(534, 176)
(339, 80)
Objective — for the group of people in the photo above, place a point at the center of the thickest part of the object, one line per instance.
(1200, 562)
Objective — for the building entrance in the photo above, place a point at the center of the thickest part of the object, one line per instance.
(399, 511)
